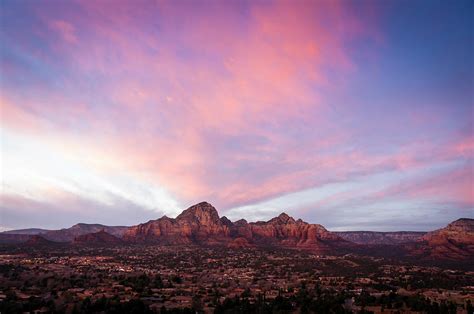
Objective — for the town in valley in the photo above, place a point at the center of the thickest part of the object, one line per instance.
(219, 268)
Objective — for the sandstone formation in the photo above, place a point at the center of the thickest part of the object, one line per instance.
(37, 240)
(200, 224)
(454, 242)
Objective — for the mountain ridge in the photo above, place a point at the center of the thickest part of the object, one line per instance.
(453, 242)
(200, 224)
(381, 237)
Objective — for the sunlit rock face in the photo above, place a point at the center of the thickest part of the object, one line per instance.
(285, 231)
(202, 221)
(197, 224)
(201, 224)
(455, 242)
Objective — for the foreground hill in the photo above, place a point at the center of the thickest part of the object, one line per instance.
(99, 238)
(38, 240)
(454, 242)
(374, 237)
(200, 224)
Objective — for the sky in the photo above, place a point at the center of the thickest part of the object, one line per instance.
(357, 115)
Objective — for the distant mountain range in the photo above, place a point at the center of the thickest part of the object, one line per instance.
(62, 235)
(69, 234)
(31, 231)
(201, 225)
(374, 237)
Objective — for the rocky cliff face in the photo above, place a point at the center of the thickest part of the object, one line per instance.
(462, 229)
(200, 224)
(197, 224)
(455, 242)
(285, 231)
(372, 237)
(100, 238)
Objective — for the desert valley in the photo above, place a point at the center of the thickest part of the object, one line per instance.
(200, 262)
(327, 147)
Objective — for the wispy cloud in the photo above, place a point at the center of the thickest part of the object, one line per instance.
(255, 107)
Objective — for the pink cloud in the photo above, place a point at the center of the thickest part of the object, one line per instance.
(66, 30)
(167, 98)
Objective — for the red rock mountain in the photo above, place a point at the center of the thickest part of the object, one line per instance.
(285, 231)
(197, 224)
(454, 242)
(100, 237)
(37, 240)
(200, 224)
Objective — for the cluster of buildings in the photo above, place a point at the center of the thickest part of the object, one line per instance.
(191, 277)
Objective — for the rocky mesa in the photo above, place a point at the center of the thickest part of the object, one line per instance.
(454, 242)
(197, 224)
(201, 224)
